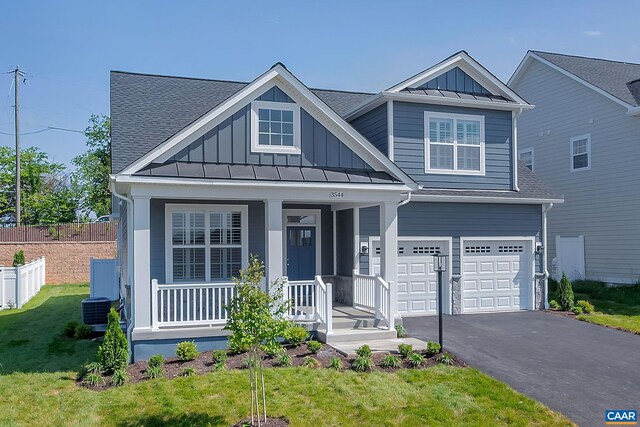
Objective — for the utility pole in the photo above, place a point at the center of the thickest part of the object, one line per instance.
(17, 74)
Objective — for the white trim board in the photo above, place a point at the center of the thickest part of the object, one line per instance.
(256, 147)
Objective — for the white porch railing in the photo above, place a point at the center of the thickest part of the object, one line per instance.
(371, 293)
(202, 304)
(310, 301)
(19, 284)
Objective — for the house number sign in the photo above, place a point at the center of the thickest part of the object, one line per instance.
(336, 195)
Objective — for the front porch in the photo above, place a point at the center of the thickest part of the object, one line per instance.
(186, 251)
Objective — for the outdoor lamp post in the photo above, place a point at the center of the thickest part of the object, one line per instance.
(440, 266)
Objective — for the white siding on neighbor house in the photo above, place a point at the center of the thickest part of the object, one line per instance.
(602, 203)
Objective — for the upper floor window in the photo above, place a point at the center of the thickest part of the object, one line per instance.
(454, 144)
(526, 157)
(580, 157)
(275, 127)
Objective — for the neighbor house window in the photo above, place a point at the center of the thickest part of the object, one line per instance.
(580, 152)
(275, 127)
(454, 144)
(205, 243)
(526, 157)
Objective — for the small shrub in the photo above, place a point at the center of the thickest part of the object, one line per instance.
(189, 371)
(314, 346)
(90, 368)
(296, 335)
(447, 359)
(586, 306)
(577, 310)
(219, 356)
(364, 351)
(405, 349)
(310, 362)
(553, 304)
(272, 349)
(401, 332)
(154, 372)
(156, 360)
(120, 377)
(433, 347)
(82, 331)
(565, 293)
(362, 364)
(18, 259)
(391, 361)
(336, 363)
(284, 360)
(94, 379)
(113, 354)
(70, 328)
(219, 366)
(415, 359)
(187, 350)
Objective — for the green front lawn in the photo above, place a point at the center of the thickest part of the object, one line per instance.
(38, 387)
(617, 307)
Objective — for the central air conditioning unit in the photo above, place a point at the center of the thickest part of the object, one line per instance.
(95, 310)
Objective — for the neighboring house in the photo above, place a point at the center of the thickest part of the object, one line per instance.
(346, 195)
(583, 139)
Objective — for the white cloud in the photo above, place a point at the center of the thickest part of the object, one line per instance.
(592, 33)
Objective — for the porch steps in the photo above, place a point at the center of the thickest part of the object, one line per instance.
(383, 345)
(351, 325)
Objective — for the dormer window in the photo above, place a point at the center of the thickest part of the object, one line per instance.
(454, 144)
(275, 127)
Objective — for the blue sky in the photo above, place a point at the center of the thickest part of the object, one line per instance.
(67, 48)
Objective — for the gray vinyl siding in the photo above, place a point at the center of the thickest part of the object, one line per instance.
(373, 126)
(230, 142)
(409, 146)
(256, 222)
(455, 220)
(344, 246)
(601, 203)
(455, 80)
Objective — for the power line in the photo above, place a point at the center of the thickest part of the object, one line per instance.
(44, 130)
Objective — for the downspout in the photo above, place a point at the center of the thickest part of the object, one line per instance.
(130, 264)
(514, 116)
(545, 209)
(405, 201)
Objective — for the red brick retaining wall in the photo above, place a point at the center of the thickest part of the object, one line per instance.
(67, 262)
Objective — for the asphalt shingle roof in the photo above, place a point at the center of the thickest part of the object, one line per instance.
(146, 110)
(614, 77)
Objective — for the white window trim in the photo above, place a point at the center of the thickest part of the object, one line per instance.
(528, 150)
(285, 106)
(285, 236)
(206, 209)
(427, 152)
(578, 138)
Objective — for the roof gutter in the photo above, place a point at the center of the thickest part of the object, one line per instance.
(633, 111)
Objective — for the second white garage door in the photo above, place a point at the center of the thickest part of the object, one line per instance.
(417, 282)
(497, 275)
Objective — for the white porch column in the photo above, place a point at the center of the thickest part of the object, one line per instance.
(389, 254)
(142, 260)
(273, 256)
(356, 239)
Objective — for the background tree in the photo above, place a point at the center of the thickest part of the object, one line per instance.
(93, 168)
(47, 195)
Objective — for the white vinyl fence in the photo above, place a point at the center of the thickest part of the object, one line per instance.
(19, 284)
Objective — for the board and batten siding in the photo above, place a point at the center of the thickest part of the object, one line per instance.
(422, 219)
(602, 203)
(409, 147)
(230, 143)
(373, 126)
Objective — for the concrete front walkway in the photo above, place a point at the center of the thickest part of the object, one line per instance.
(573, 367)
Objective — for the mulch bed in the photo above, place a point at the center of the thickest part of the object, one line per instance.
(564, 313)
(271, 422)
(174, 368)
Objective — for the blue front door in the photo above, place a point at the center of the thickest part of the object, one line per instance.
(301, 253)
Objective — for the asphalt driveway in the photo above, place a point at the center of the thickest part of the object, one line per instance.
(573, 367)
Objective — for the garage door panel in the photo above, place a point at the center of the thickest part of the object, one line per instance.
(419, 305)
(496, 275)
(418, 287)
(419, 268)
(402, 288)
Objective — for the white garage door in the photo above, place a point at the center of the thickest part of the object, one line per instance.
(497, 275)
(417, 282)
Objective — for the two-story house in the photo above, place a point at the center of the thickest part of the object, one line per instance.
(582, 139)
(345, 196)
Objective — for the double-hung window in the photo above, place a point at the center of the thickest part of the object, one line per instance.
(526, 157)
(580, 154)
(454, 144)
(275, 127)
(205, 243)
